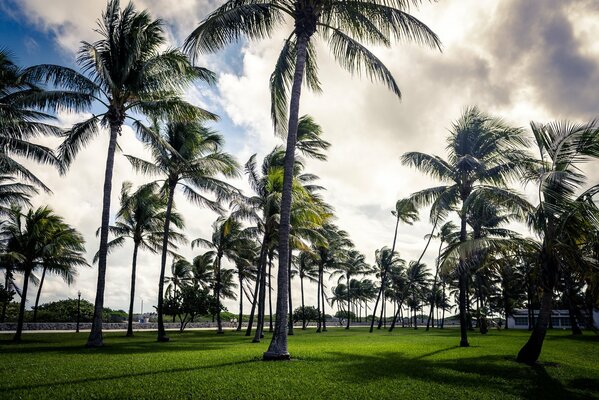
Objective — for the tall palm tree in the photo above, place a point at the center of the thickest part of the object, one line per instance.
(140, 218)
(193, 161)
(37, 239)
(484, 154)
(344, 25)
(228, 241)
(564, 215)
(127, 74)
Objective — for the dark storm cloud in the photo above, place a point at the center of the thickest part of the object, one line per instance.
(533, 42)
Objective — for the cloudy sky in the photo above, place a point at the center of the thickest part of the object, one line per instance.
(534, 60)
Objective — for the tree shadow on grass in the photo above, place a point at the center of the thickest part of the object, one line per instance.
(125, 376)
(118, 344)
(498, 373)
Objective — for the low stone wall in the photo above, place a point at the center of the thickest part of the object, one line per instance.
(71, 326)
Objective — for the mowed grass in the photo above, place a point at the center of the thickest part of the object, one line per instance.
(338, 364)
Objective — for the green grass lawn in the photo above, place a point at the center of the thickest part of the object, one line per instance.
(406, 364)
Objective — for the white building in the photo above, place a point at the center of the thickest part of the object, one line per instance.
(560, 319)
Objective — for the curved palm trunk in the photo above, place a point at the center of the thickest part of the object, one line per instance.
(167, 220)
(396, 315)
(290, 327)
(39, 292)
(240, 303)
(278, 346)
(21, 318)
(95, 338)
(261, 262)
(303, 305)
(132, 298)
(531, 351)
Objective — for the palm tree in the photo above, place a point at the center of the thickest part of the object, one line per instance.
(343, 25)
(38, 239)
(417, 278)
(483, 155)
(192, 160)
(406, 212)
(126, 72)
(446, 230)
(564, 215)
(229, 241)
(354, 264)
(22, 96)
(246, 273)
(306, 268)
(386, 260)
(66, 272)
(140, 218)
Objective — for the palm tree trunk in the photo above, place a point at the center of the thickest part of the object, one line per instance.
(348, 302)
(531, 351)
(132, 298)
(463, 289)
(290, 328)
(278, 346)
(261, 262)
(95, 338)
(303, 305)
(434, 286)
(378, 298)
(270, 327)
(261, 302)
(172, 183)
(7, 274)
(395, 316)
(318, 292)
(383, 301)
(21, 318)
(240, 302)
(323, 298)
(219, 322)
(39, 292)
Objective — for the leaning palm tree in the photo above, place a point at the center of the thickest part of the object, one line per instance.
(484, 154)
(140, 219)
(344, 25)
(38, 239)
(564, 216)
(192, 160)
(127, 74)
